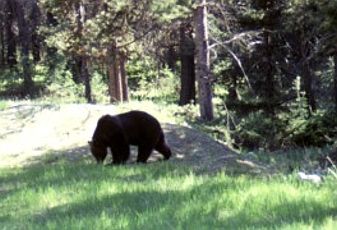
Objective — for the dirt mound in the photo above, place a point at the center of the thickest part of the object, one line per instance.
(29, 133)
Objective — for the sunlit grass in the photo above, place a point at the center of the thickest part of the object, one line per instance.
(158, 196)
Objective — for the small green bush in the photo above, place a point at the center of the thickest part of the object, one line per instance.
(161, 87)
(99, 89)
(318, 130)
(259, 130)
(64, 89)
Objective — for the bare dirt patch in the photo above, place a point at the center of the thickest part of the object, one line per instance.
(30, 132)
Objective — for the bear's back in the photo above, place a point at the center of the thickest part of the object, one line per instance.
(139, 127)
(136, 127)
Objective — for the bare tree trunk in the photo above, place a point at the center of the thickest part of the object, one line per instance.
(203, 62)
(118, 81)
(171, 58)
(86, 78)
(2, 46)
(114, 73)
(82, 59)
(111, 76)
(24, 38)
(335, 80)
(111, 81)
(75, 65)
(309, 92)
(269, 86)
(10, 37)
(125, 85)
(232, 90)
(117, 73)
(35, 21)
(187, 77)
(270, 22)
(2, 33)
(51, 22)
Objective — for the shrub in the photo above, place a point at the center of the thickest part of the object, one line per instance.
(318, 130)
(258, 130)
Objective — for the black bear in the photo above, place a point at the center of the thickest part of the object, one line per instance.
(131, 128)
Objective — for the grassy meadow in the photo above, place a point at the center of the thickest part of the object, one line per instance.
(54, 192)
(159, 195)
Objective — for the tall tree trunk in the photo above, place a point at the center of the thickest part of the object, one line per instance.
(75, 64)
(270, 23)
(171, 58)
(187, 77)
(335, 80)
(203, 62)
(118, 77)
(86, 78)
(2, 33)
(2, 46)
(233, 87)
(35, 21)
(118, 81)
(269, 88)
(24, 38)
(171, 55)
(111, 75)
(82, 61)
(79, 66)
(125, 85)
(305, 50)
(115, 81)
(309, 92)
(51, 51)
(10, 36)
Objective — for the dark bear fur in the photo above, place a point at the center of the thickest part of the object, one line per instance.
(131, 128)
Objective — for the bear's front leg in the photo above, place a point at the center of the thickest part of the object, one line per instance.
(120, 155)
(144, 153)
(163, 148)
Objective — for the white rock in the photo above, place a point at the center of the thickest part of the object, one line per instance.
(310, 177)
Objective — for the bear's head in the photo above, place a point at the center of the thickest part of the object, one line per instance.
(98, 151)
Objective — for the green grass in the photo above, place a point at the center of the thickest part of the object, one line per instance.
(158, 196)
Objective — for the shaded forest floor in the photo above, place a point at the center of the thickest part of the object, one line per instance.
(34, 133)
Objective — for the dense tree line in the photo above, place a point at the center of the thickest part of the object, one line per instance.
(271, 64)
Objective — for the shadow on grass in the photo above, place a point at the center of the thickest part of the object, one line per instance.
(142, 205)
(193, 208)
(71, 155)
(76, 165)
